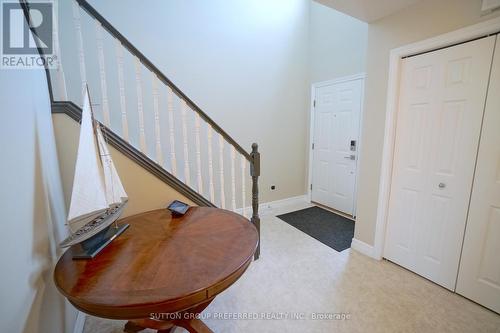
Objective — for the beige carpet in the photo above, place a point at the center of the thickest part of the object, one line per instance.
(299, 276)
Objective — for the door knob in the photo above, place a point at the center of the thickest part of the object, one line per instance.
(442, 185)
(350, 157)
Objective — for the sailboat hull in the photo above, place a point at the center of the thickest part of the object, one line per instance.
(94, 227)
(98, 197)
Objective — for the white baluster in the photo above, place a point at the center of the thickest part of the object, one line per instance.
(121, 86)
(170, 106)
(233, 179)
(156, 109)
(79, 41)
(210, 164)
(187, 175)
(102, 73)
(243, 183)
(198, 153)
(140, 107)
(221, 171)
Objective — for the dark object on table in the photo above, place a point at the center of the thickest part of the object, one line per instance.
(178, 207)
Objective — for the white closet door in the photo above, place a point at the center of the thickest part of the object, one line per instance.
(442, 96)
(479, 276)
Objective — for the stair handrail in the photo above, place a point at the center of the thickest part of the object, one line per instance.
(253, 158)
(148, 64)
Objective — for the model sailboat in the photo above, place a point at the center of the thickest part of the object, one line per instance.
(98, 197)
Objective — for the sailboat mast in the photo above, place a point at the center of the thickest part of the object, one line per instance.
(94, 121)
(96, 125)
(102, 153)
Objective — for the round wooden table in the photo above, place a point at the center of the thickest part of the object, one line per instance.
(163, 270)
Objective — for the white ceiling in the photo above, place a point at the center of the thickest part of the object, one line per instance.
(368, 10)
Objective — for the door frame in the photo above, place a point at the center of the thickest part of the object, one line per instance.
(314, 86)
(462, 35)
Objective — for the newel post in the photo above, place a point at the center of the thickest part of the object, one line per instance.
(255, 173)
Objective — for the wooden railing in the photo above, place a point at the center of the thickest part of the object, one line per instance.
(148, 118)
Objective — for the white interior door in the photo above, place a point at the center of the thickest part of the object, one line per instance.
(479, 275)
(336, 143)
(442, 96)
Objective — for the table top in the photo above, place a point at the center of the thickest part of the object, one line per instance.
(160, 264)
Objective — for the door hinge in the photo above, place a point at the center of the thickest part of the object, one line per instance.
(314, 103)
(311, 187)
(313, 146)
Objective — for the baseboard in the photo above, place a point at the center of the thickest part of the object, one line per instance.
(79, 322)
(268, 208)
(362, 247)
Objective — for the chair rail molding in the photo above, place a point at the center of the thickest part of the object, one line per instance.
(73, 111)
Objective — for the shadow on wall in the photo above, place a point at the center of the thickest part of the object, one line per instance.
(32, 206)
(47, 302)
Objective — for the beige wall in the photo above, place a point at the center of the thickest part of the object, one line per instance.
(426, 19)
(337, 44)
(145, 191)
(32, 208)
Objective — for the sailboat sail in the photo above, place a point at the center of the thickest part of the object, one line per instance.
(98, 197)
(88, 197)
(115, 193)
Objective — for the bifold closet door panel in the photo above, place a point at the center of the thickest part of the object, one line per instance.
(479, 275)
(441, 104)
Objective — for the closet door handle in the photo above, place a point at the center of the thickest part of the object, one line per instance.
(442, 185)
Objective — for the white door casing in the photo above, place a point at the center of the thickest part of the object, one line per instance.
(441, 103)
(479, 274)
(336, 124)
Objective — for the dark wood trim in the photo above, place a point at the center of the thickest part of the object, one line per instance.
(146, 62)
(255, 173)
(74, 111)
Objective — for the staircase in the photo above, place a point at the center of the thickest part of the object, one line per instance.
(146, 117)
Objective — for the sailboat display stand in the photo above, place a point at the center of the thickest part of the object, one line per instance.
(98, 197)
(89, 248)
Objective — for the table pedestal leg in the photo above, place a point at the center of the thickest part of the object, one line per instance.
(193, 326)
(131, 327)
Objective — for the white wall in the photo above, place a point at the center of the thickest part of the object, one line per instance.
(426, 19)
(32, 206)
(245, 63)
(248, 64)
(337, 44)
